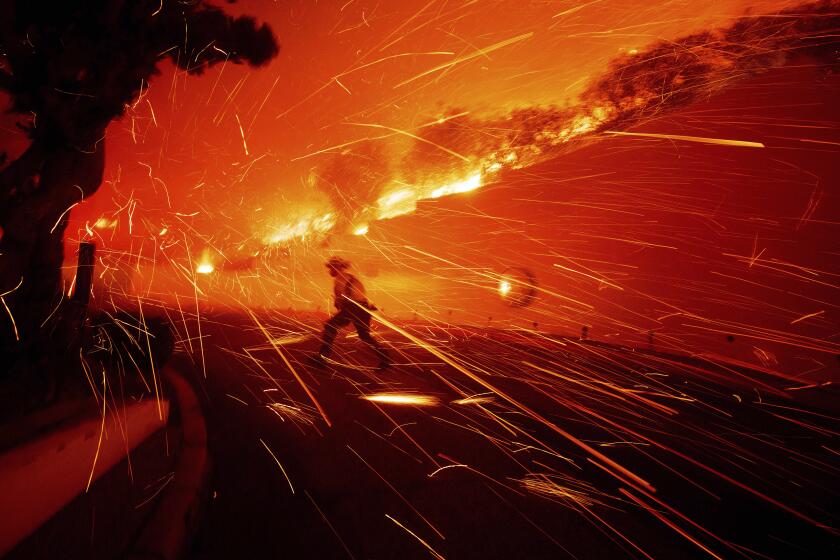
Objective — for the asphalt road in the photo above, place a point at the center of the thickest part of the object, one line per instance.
(533, 446)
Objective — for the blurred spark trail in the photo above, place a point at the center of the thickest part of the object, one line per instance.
(675, 419)
(666, 387)
(639, 87)
(395, 398)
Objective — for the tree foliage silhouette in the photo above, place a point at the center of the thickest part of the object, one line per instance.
(74, 67)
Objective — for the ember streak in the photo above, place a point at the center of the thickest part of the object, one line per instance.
(601, 240)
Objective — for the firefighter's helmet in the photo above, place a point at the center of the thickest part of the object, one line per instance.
(337, 263)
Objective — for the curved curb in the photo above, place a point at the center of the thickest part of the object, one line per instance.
(166, 534)
(42, 477)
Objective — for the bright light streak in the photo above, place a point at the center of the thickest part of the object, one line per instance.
(276, 460)
(474, 400)
(406, 399)
(684, 138)
(413, 534)
(467, 185)
(11, 316)
(472, 55)
(504, 287)
(105, 223)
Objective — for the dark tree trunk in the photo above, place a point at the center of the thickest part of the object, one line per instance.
(38, 190)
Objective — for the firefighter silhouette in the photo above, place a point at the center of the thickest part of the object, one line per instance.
(353, 307)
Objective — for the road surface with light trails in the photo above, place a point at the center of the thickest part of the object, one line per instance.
(501, 444)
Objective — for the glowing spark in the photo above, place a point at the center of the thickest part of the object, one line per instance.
(504, 287)
(19, 284)
(72, 287)
(575, 9)
(410, 532)
(101, 431)
(669, 523)
(242, 133)
(699, 139)
(474, 400)
(105, 223)
(476, 54)
(338, 147)
(442, 120)
(292, 488)
(61, 217)
(151, 359)
(297, 377)
(808, 316)
(12, 317)
(597, 279)
(457, 465)
(637, 480)
(152, 111)
(361, 229)
(236, 398)
(397, 492)
(281, 341)
(284, 411)
(330, 525)
(571, 490)
(397, 398)
(542, 290)
(336, 80)
(415, 137)
(391, 57)
(9, 311)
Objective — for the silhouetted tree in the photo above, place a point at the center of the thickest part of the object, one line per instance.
(75, 66)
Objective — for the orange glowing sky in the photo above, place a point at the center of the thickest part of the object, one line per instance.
(629, 235)
(341, 65)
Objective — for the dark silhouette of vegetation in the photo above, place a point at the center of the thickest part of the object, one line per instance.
(71, 68)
